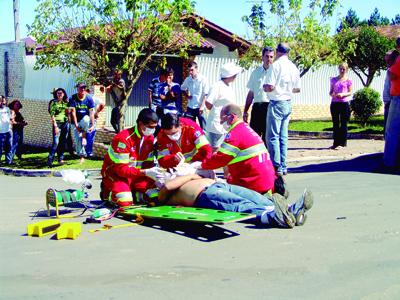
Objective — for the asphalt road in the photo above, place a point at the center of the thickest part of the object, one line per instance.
(348, 248)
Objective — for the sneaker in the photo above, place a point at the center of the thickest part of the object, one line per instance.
(301, 206)
(283, 216)
(61, 162)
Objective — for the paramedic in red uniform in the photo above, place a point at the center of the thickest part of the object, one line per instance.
(244, 154)
(126, 168)
(181, 139)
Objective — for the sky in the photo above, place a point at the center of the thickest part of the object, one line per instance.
(225, 13)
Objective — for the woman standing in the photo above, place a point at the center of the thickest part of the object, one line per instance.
(58, 109)
(341, 89)
(17, 129)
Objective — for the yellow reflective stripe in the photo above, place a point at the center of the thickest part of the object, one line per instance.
(124, 196)
(229, 149)
(118, 158)
(201, 141)
(249, 153)
(163, 152)
(234, 125)
(189, 155)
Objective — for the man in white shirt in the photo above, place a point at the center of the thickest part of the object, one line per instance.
(257, 96)
(282, 80)
(196, 89)
(220, 95)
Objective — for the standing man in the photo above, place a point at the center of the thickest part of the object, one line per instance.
(196, 89)
(282, 80)
(220, 95)
(181, 139)
(257, 96)
(82, 108)
(154, 92)
(244, 154)
(117, 91)
(170, 92)
(126, 169)
(391, 155)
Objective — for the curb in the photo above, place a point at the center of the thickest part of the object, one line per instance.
(329, 135)
(41, 173)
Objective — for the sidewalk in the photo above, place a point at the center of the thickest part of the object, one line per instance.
(305, 149)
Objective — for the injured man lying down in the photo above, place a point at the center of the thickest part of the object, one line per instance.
(182, 186)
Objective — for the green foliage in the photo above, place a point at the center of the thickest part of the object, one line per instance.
(353, 21)
(91, 37)
(375, 126)
(366, 102)
(396, 20)
(364, 50)
(308, 36)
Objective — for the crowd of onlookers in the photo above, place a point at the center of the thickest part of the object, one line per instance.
(73, 119)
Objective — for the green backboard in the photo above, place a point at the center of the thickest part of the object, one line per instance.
(191, 214)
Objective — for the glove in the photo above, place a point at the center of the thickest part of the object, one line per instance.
(154, 173)
(180, 158)
(196, 165)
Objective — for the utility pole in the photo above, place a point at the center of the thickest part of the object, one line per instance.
(16, 20)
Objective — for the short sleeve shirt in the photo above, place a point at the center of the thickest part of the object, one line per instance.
(198, 88)
(220, 95)
(255, 84)
(284, 76)
(82, 106)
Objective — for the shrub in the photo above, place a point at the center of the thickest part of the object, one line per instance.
(366, 102)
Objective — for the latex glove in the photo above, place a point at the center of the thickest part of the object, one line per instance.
(180, 158)
(196, 165)
(154, 173)
(184, 170)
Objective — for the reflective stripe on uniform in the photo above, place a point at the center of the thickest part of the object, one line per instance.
(229, 149)
(249, 153)
(163, 153)
(189, 155)
(200, 141)
(122, 197)
(118, 158)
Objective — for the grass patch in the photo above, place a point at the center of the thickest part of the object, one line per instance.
(36, 158)
(374, 126)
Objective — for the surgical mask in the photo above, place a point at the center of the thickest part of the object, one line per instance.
(148, 131)
(176, 136)
(226, 125)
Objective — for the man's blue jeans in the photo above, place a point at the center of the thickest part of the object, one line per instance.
(391, 156)
(277, 132)
(229, 197)
(6, 140)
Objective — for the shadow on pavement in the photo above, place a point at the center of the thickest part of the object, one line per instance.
(197, 231)
(371, 163)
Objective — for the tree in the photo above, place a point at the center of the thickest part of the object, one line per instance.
(91, 37)
(350, 21)
(376, 20)
(364, 50)
(308, 36)
(396, 20)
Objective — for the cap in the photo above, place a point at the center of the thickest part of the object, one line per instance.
(229, 70)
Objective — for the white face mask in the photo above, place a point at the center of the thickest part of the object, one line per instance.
(148, 131)
(176, 136)
(226, 125)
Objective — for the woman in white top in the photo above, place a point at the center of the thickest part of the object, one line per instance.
(220, 95)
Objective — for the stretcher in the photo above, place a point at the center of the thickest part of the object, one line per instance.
(180, 213)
